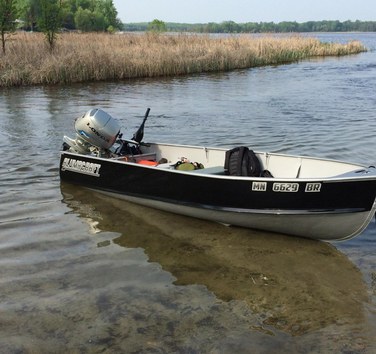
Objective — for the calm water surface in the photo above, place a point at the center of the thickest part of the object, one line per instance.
(83, 273)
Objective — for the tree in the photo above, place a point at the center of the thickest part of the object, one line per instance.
(88, 21)
(7, 19)
(107, 8)
(49, 20)
(230, 27)
(67, 14)
(28, 11)
(96, 15)
(86, 4)
(157, 26)
(83, 19)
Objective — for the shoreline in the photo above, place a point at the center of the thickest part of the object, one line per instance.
(92, 57)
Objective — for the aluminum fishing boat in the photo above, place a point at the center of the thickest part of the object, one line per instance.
(295, 195)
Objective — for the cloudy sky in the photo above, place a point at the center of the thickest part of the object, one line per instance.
(240, 11)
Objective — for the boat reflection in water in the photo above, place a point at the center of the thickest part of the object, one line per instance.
(295, 285)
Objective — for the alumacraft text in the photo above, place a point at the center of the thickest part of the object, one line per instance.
(87, 168)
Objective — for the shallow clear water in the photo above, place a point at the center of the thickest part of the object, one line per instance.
(81, 272)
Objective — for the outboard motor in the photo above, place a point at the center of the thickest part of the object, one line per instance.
(96, 132)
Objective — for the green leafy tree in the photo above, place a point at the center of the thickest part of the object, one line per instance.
(83, 19)
(28, 12)
(86, 4)
(49, 20)
(287, 27)
(230, 27)
(96, 15)
(107, 8)
(67, 14)
(157, 26)
(7, 19)
(88, 21)
(99, 15)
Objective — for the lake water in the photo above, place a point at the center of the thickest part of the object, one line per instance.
(84, 273)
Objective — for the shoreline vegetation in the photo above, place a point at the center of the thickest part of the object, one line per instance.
(261, 27)
(89, 57)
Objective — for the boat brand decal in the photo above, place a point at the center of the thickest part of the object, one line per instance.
(87, 168)
(285, 187)
(96, 132)
(259, 186)
(313, 187)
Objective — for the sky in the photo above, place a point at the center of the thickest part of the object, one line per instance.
(241, 11)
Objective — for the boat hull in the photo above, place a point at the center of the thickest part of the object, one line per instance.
(325, 209)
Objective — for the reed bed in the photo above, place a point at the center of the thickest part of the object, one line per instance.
(98, 57)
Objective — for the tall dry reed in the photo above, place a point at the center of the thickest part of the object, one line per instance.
(94, 57)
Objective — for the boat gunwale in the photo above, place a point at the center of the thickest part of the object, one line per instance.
(370, 172)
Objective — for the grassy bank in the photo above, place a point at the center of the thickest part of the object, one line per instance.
(94, 57)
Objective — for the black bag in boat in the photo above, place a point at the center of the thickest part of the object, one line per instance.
(241, 161)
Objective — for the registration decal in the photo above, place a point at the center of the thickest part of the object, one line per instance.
(313, 187)
(87, 168)
(285, 187)
(259, 186)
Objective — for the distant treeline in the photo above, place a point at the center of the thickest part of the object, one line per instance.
(262, 27)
